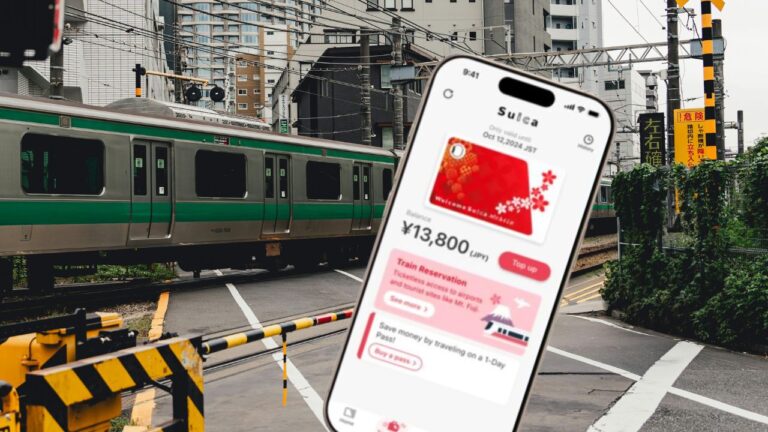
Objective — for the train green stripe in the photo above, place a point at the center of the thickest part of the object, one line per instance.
(168, 133)
(64, 212)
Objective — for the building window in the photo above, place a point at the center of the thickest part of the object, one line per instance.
(242, 78)
(390, 4)
(270, 81)
(255, 91)
(233, 28)
(242, 107)
(59, 165)
(219, 174)
(339, 37)
(614, 85)
(242, 64)
(454, 36)
(386, 183)
(387, 138)
(242, 92)
(256, 105)
(270, 53)
(406, 5)
(386, 81)
(323, 180)
(472, 35)
(256, 77)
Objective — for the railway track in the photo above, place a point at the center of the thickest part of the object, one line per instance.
(21, 304)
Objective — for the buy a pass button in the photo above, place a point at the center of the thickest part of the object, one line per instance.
(524, 266)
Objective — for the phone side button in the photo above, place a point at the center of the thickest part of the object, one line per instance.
(524, 266)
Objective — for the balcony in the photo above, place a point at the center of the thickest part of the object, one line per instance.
(564, 34)
(566, 10)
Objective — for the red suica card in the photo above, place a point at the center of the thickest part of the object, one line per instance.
(473, 180)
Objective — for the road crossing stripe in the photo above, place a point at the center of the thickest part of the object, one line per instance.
(582, 295)
(638, 404)
(572, 295)
(749, 415)
(310, 396)
(349, 275)
(608, 323)
(592, 297)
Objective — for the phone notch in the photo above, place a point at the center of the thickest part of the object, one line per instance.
(527, 92)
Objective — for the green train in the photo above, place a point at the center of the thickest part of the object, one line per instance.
(138, 182)
(82, 185)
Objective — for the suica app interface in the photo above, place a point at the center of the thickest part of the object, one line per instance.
(469, 267)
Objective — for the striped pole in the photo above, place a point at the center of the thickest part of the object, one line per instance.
(225, 342)
(707, 53)
(285, 369)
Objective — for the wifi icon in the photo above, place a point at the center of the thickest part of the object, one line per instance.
(581, 109)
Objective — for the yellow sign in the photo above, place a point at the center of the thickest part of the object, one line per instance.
(719, 4)
(690, 138)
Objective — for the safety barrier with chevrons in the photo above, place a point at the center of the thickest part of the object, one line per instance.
(53, 393)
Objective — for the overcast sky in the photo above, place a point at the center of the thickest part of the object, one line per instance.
(746, 66)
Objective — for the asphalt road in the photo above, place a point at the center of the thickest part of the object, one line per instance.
(598, 374)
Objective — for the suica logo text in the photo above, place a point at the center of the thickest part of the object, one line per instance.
(517, 116)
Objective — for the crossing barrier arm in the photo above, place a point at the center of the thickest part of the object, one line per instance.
(226, 342)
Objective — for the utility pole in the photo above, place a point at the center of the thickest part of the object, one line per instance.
(397, 57)
(57, 74)
(139, 72)
(719, 60)
(177, 87)
(365, 86)
(673, 78)
(740, 120)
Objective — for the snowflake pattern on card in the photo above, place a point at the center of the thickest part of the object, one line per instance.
(536, 201)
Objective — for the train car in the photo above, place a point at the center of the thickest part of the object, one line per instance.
(602, 220)
(83, 185)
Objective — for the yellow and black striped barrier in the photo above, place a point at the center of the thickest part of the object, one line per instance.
(237, 339)
(282, 330)
(707, 53)
(86, 393)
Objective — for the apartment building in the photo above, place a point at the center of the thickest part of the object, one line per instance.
(435, 28)
(242, 45)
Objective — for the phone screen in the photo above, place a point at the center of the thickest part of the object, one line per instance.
(473, 254)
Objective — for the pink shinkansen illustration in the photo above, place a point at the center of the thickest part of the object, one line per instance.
(500, 325)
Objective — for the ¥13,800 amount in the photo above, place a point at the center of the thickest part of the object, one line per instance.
(434, 238)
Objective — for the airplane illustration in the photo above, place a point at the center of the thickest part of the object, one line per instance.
(521, 303)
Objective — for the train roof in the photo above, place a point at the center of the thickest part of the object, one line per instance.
(76, 109)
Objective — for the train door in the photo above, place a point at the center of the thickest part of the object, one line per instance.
(361, 197)
(277, 194)
(151, 205)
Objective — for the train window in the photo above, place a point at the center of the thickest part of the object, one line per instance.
(219, 174)
(161, 171)
(269, 177)
(61, 165)
(139, 170)
(283, 165)
(603, 194)
(386, 182)
(323, 180)
(366, 183)
(356, 183)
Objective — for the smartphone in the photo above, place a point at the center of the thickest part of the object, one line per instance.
(473, 253)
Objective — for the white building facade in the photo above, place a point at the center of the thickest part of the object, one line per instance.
(104, 42)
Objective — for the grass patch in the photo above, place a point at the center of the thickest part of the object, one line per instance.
(118, 423)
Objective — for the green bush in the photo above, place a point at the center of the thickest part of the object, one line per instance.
(703, 290)
(738, 314)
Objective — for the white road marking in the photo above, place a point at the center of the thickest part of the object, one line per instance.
(348, 275)
(595, 363)
(749, 415)
(310, 396)
(638, 404)
(608, 323)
